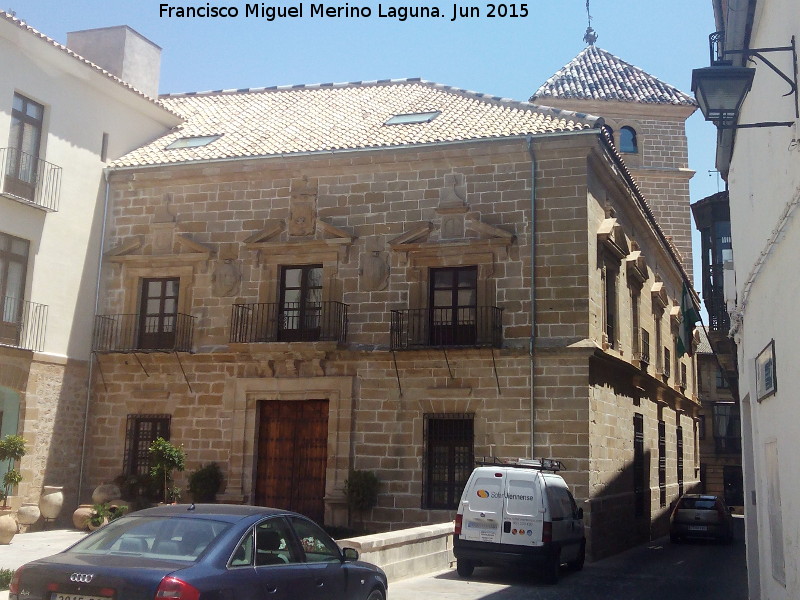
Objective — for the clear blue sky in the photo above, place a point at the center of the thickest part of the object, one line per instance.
(507, 57)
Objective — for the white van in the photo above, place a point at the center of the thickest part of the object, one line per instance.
(519, 513)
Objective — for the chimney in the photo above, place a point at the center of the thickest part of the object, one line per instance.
(122, 52)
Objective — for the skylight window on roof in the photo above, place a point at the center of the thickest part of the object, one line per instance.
(193, 141)
(404, 119)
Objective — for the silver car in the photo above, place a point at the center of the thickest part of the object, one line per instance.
(699, 516)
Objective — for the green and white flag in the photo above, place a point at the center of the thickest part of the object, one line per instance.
(689, 318)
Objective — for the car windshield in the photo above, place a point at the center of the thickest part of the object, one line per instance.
(698, 503)
(153, 537)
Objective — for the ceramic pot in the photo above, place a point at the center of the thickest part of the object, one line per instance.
(80, 518)
(28, 513)
(8, 527)
(51, 501)
(105, 493)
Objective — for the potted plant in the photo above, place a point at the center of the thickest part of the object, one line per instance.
(164, 459)
(12, 449)
(205, 483)
(361, 492)
(99, 516)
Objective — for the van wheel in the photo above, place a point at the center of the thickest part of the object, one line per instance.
(464, 567)
(577, 564)
(552, 567)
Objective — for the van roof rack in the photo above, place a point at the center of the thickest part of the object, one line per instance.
(540, 464)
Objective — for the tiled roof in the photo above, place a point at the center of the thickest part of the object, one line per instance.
(704, 347)
(596, 74)
(25, 27)
(347, 116)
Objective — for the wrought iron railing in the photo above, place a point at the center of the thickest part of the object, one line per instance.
(719, 319)
(471, 327)
(30, 178)
(289, 322)
(22, 323)
(138, 333)
(642, 354)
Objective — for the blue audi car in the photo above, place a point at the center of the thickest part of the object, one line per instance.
(203, 552)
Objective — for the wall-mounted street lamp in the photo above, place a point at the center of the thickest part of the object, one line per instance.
(721, 88)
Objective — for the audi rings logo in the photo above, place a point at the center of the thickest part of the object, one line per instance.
(81, 577)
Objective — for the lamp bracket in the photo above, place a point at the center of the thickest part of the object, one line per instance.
(716, 39)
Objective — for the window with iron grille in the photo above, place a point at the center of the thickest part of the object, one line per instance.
(449, 458)
(679, 446)
(610, 293)
(645, 346)
(662, 463)
(142, 430)
(635, 323)
(638, 464)
(667, 362)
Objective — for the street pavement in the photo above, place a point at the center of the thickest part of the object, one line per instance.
(656, 570)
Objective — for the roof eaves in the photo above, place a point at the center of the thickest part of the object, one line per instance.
(123, 165)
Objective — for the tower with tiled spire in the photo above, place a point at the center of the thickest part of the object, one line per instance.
(647, 118)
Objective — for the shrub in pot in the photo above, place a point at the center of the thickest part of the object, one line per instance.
(205, 483)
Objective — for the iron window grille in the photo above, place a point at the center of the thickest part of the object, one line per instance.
(662, 463)
(638, 465)
(141, 432)
(449, 458)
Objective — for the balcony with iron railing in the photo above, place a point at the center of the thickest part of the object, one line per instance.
(472, 327)
(641, 350)
(138, 333)
(22, 324)
(289, 322)
(29, 179)
(714, 297)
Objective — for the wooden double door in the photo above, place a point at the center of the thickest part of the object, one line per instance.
(292, 456)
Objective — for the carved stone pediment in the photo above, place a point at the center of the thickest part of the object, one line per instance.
(636, 266)
(274, 240)
(675, 316)
(612, 238)
(180, 249)
(658, 294)
(421, 241)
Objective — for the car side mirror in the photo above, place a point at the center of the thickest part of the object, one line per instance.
(350, 554)
(580, 513)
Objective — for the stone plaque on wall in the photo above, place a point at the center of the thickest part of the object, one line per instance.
(226, 278)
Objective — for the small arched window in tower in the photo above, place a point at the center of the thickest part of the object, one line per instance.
(627, 140)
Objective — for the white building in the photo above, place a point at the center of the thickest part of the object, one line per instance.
(762, 168)
(63, 118)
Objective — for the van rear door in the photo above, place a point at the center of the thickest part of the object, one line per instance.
(482, 505)
(524, 511)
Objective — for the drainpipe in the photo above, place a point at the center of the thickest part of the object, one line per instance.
(533, 284)
(91, 358)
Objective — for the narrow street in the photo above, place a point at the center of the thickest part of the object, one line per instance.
(654, 571)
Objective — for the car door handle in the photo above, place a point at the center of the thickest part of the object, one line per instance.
(320, 583)
(272, 589)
